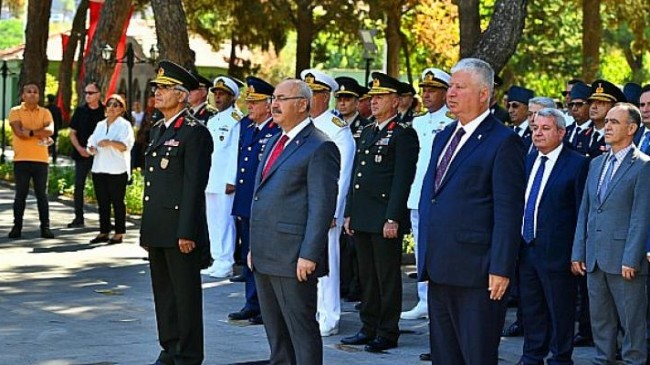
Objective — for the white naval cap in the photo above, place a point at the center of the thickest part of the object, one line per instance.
(318, 80)
(227, 84)
(434, 77)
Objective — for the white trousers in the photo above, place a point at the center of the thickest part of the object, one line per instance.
(221, 228)
(422, 286)
(329, 287)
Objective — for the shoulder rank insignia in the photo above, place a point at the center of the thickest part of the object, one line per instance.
(235, 116)
(159, 123)
(403, 125)
(338, 122)
(450, 115)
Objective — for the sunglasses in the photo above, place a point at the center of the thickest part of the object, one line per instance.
(113, 104)
(565, 93)
(576, 104)
(91, 92)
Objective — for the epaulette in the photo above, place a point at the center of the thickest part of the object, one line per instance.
(236, 116)
(450, 115)
(338, 122)
(403, 125)
(191, 120)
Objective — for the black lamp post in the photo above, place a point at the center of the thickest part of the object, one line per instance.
(131, 60)
(369, 48)
(5, 72)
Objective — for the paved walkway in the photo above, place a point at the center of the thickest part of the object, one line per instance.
(64, 301)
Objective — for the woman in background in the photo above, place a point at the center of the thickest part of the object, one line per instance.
(111, 144)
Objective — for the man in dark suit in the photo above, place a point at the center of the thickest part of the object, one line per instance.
(252, 143)
(610, 240)
(174, 226)
(293, 204)
(470, 222)
(556, 176)
(377, 216)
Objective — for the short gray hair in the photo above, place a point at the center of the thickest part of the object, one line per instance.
(303, 90)
(558, 116)
(633, 113)
(543, 101)
(480, 68)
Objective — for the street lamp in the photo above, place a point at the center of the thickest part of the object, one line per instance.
(5, 72)
(369, 48)
(130, 58)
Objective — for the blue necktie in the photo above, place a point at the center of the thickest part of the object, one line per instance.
(529, 211)
(607, 179)
(646, 142)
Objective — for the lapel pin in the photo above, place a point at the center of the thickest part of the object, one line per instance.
(479, 136)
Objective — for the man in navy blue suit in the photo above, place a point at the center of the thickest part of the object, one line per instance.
(556, 178)
(470, 222)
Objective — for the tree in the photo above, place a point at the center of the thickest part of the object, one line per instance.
(65, 68)
(592, 34)
(112, 18)
(171, 31)
(34, 64)
(469, 25)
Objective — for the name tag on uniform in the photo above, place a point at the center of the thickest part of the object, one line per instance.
(172, 143)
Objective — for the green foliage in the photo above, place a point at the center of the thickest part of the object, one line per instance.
(408, 244)
(63, 144)
(9, 136)
(51, 84)
(12, 31)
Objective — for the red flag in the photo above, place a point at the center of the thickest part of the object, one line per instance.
(65, 111)
(120, 52)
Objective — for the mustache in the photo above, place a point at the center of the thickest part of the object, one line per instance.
(276, 110)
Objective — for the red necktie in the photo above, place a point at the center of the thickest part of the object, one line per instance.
(277, 150)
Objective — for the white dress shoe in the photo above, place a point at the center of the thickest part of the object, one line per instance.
(330, 332)
(418, 312)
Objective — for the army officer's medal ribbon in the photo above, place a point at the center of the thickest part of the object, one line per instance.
(164, 162)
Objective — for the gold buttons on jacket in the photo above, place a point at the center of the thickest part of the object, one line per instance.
(146, 198)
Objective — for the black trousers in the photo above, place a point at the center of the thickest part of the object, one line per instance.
(289, 312)
(176, 283)
(24, 172)
(82, 168)
(109, 191)
(381, 283)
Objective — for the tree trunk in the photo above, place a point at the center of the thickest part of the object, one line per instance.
(109, 30)
(34, 65)
(407, 57)
(65, 68)
(470, 26)
(592, 34)
(171, 30)
(393, 39)
(305, 35)
(500, 39)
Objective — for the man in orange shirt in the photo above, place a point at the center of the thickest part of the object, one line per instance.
(32, 127)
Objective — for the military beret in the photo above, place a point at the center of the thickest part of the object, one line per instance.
(258, 89)
(580, 90)
(170, 73)
(384, 84)
(349, 86)
(606, 91)
(227, 84)
(632, 92)
(520, 94)
(433, 77)
(318, 80)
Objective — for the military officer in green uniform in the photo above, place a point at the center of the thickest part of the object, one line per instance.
(377, 216)
(174, 225)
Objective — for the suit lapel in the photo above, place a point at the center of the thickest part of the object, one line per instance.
(480, 134)
(169, 132)
(291, 147)
(560, 164)
(625, 165)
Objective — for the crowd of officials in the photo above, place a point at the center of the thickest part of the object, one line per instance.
(541, 205)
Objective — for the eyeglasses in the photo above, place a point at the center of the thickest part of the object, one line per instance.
(576, 104)
(285, 98)
(565, 93)
(91, 92)
(113, 104)
(514, 105)
(162, 87)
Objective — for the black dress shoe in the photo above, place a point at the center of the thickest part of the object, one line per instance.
(256, 320)
(15, 232)
(114, 241)
(582, 341)
(46, 233)
(77, 223)
(242, 315)
(238, 279)
(100, 238)
(425, 357)
(380, 344)
(514, 330)
(359, 339)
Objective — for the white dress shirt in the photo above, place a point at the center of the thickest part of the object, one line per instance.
(109, 160)
(548, 168)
